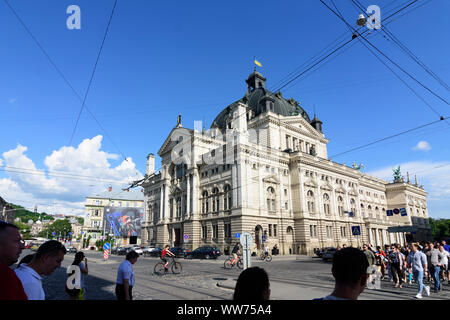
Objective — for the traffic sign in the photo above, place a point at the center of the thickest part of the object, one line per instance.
(396, 211)
(106, 246)
(237, 235)
(356, 230)
(403, 212)
(106, 254)
(246, 240)
(186, 236)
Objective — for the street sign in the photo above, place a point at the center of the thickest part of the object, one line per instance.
(389, 213)
(402, 229)
(246, 240)
(237, 235)
(356, 230)
(403, 212)
(396, 211)
(106, 254)
(186, 236)
(106, 246)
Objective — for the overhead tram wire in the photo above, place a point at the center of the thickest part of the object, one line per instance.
(384, 55)
(387, 66)
(338, 48)
(93, 72)
(63, 77)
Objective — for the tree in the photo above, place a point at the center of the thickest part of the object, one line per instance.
(61, 228)
(440, 229)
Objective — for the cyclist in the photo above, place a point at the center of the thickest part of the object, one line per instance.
(235, 252)
(165, 252)
(266, 250)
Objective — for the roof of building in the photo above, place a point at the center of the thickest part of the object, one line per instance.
(135, 194)
(256, 100)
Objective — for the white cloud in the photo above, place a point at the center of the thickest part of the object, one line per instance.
(70, 176)
(422, 146)
(434, 176)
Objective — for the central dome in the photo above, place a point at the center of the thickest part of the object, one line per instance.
(260, 100)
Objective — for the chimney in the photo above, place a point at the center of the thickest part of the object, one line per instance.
(150, 164)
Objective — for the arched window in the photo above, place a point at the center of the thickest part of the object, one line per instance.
(271, 199)
(205, 208)
(228, 200)
(340, 203)
(377, 212)
(363, 212)
(369, 210)
(215, 199)
(353, 206)
(310, 201)
(326, 203)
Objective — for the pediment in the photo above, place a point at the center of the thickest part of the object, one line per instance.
(271, 179)
(173, 139)
(302, 125)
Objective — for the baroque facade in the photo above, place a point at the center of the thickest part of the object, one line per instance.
(263, 168)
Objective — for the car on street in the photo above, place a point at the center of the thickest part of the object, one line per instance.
(114, 250)
(328, 254)
(72, 250)
(179, 252)
(34, 247)
(148, 250)
(121, 251)
(205, 252)
(137, 249)
(156, 252)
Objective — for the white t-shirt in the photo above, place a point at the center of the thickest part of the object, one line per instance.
(124, 272)
(31, 282)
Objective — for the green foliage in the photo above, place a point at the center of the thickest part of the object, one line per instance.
(26, 215)
(80, 220)
(24, 230)
(60, 227)
(440, 229)
(99, 244)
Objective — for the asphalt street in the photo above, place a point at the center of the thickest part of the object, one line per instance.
(291, 278)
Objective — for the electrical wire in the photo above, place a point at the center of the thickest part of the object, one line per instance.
(93, 72)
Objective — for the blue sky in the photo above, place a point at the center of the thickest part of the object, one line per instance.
(192, 58)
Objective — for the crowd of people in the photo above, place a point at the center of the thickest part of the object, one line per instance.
(353, 269)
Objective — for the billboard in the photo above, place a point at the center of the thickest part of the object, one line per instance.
(123, 221)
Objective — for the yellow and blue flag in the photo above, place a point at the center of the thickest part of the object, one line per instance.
(258, 63)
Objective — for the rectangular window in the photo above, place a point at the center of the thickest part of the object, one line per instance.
(273, 205)
(227, 230)
(270, 230)
(286, 207)
(274, 230)
(204, 232)
(215, 231)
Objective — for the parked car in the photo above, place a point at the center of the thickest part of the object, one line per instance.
(72, 250)
(328, 254)
(122, 251)
(115, 249)
(205, 252)
(137, 249)
(179, 251)
(156, 252)
(148, 250)
(34, 247)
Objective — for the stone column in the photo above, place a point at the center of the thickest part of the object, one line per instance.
(302, 192)
(235, 184)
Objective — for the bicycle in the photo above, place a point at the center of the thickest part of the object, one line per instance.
(176, 267)
(263, 257)
(228, 264)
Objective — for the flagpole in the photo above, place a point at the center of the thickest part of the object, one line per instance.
(254, 59)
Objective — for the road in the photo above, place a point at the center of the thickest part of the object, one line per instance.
(291, 278)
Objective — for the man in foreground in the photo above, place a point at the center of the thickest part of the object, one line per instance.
(350, 267)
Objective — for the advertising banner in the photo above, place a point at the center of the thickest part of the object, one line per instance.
(123, 221)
